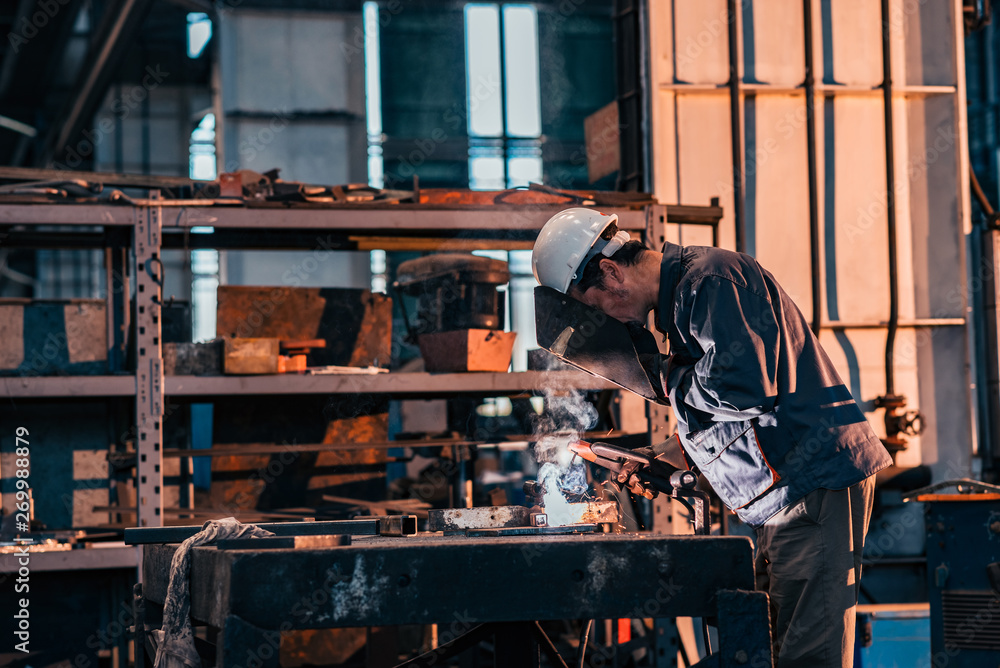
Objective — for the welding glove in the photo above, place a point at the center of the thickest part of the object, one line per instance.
(666, 458)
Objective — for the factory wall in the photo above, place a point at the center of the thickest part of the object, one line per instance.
(691, 144)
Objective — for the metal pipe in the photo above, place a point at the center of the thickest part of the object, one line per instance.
(890, 184)
(503, 102)
(737, 126)
(381, 525)
(584, 639)
(810, 87)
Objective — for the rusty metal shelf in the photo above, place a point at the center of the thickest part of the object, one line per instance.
(396, 384)
(67, 387)
(91, 558)
(356, 219)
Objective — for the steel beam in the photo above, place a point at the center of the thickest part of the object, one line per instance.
(119, 25)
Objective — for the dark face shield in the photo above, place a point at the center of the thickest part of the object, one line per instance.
(590, 340)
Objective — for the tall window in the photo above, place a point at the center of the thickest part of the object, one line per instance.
(502, 95)
(205, 262)
(505, 125)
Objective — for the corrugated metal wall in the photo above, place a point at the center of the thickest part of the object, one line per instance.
(693, 162)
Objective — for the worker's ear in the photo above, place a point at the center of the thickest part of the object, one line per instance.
(612, 272)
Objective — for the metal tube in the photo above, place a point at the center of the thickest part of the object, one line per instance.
(503, 100)
(810, 86)
(584, 639)
(389, 525)
(737, 126)
(890, 185)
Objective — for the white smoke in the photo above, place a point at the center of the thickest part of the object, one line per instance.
(567, 416)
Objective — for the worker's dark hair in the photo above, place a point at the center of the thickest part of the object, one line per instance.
(626, 256)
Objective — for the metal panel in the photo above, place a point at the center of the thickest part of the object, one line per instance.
(149, 365)
(693, 162)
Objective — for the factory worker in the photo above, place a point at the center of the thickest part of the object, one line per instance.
(761, 413)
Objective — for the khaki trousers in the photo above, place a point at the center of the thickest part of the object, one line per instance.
(808, 560)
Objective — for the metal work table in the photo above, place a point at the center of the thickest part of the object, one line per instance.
(432, 578)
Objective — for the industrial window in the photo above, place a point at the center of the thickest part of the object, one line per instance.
(504, 113)
(502, 109)
(205, 262)
(199, 32)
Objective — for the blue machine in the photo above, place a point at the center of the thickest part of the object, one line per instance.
(894, 635)
(963, 565)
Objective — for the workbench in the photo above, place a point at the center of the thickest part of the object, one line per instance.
(460, 582)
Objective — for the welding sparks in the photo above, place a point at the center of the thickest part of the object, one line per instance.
(561, 474)
(558, 509)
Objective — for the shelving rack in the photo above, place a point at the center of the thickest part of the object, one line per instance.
(150, 224)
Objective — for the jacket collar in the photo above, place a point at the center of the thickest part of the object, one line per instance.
(670, 275)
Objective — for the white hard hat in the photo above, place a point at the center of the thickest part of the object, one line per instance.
(567, 242)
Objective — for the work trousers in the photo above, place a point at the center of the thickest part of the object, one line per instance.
(808, 560)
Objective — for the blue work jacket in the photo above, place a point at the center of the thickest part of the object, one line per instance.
(761, 411)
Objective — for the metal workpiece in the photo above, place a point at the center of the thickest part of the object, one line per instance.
(483, 517)
(388, 525)
(438, 579)
(505, 518)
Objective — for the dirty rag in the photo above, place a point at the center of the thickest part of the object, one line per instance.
(176, 640)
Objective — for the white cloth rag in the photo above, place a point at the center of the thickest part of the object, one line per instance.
(176, 640)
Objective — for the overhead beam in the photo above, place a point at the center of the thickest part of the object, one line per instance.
(109, 44)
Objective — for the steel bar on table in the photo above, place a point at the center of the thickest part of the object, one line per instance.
(390, 525)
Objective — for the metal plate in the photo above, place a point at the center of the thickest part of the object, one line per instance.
(484, 517)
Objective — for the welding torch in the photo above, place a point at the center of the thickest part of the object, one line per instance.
(648, 472)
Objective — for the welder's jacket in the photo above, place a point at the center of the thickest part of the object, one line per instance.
(761, 411)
